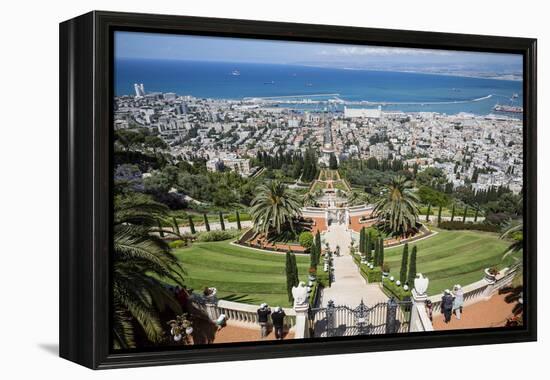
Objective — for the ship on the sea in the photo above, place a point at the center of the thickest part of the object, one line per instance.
(236, 73)
(510, 109)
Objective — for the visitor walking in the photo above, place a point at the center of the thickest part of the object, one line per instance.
(263, 317)
(278, 319)
(458, 301)
(430, 309)
(338, 250)
(447, 305)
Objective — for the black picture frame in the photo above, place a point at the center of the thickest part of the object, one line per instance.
(86, 92)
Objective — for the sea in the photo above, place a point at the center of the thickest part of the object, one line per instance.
(391, 90)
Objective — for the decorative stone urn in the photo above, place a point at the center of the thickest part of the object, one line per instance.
(490, 277)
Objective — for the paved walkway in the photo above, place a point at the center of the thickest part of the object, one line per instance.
(348, 287)
(231, 334)
(490, 313)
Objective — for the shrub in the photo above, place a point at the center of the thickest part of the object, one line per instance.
(396, 291)
(323, 279)
(373, 275)
(469, 226)
(306, 239)
(386, 268)
(177, 244)
(217, 235)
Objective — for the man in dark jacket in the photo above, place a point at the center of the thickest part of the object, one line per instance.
(263, 318)
(278, 318)
(447, 305)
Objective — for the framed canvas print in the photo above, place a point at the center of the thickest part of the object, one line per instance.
(238, 189)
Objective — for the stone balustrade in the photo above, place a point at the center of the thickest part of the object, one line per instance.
(242, 313)
(420, 320)
(478, 291)
(360, 210)
(313, 212)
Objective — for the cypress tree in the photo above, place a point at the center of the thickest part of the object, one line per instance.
(295, 279)
(428, 213)
(222, 223)
(176, 225)
(381, 254)
(376, 251)
(439, 215)
(465, 212)
(289, 276)
(206, 224)
(318, 242)
(238, 220)
(191, 225)
(368, 247)
(404, 263)
(161, 231)
(362, 240)
(453, 214)
(314, 256)
(412, 268)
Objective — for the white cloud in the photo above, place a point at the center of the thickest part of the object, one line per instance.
(380, 51)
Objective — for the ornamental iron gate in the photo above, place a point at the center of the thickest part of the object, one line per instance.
(383, 318)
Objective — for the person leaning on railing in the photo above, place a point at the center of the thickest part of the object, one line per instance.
(278, 319)
(263, 319)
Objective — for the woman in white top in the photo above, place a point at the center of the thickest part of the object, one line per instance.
(458, 301)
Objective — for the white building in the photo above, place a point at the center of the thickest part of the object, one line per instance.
(368, 113)
(240, 166)
(170, 96)
(380, 151)
(139, 89)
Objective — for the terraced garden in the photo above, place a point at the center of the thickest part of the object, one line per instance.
(453, 257)
(240, 274)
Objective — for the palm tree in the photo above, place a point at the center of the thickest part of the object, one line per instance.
(141, 258)
(516, 233)
(514, 292)
(398, 207)
(356, 198)
(273, 207)
(309, 199)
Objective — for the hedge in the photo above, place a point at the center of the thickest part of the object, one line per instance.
(396, 291)
(371, 275)
(217, 235)
(242, 215)
(468, 226)
(314, 293)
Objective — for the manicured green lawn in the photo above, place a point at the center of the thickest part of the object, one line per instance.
(240, 274)
(452, 257)
(318, 186)
(340, 185)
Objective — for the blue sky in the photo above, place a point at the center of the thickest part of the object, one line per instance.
(180, 47)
